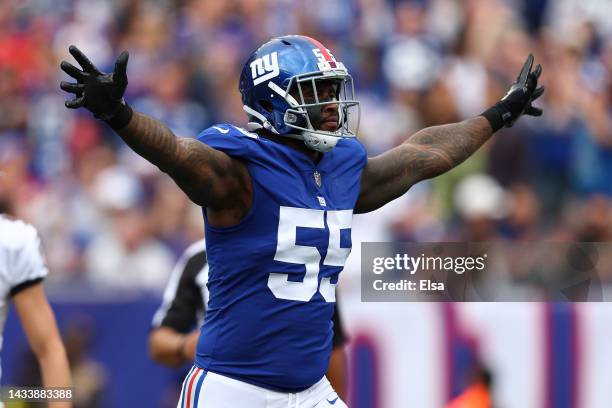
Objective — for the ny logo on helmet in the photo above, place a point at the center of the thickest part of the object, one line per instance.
(265, 68)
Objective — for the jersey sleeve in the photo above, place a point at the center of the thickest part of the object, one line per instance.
(182, 301)
(362, 154)
(352, 156)
(228, 139)
(28, 264)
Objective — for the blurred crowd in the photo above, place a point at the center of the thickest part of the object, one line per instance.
(109, 218)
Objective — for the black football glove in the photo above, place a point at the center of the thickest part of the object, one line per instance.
(518, 100)
(99, 92)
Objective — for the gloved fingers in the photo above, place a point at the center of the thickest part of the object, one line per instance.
(537, 93)
(73, 71)
(72, 87)
(533, 111)
(75, 103)
(532, 82)
(83, 61)
(120, 74)
(522, 77)
(537, 71)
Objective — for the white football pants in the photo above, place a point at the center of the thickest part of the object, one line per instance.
(203, 389)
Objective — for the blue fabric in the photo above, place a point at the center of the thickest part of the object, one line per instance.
(249, 333)
(592, 165)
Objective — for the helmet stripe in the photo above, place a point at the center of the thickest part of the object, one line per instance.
(321, 47)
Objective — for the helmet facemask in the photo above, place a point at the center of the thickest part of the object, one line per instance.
(274, 86)
(307, 104)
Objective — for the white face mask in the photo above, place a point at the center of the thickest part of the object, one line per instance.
(309, 111)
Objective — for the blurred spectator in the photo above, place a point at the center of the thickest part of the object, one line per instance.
(90, 377)
(125, 255)
(477, 394)
(110, 218)
(595, 222)
(481, 202)
(416, 63)
(524, 212)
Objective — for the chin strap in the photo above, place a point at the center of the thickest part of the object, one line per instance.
(312, 140)
(265, 123)
(318, 142)
(286, 96)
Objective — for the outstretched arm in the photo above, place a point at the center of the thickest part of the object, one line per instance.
(209, 177)
(426, 154)
(435, 150)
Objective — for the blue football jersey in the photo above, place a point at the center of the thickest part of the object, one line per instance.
(272, 277)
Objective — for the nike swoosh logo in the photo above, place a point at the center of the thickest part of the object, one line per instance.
(221, 129)
(333, 402)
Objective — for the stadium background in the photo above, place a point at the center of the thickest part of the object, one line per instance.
(112, 225)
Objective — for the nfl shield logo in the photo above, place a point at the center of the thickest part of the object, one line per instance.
(317, 178)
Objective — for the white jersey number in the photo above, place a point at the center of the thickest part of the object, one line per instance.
(288, 251)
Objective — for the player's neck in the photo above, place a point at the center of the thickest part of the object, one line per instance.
(295, 144)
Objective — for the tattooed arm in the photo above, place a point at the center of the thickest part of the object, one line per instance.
(426, 154)
(436, 150)
(209, 177)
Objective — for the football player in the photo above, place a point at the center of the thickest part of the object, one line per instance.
(173, 339)
(22, 270)
(278, 199)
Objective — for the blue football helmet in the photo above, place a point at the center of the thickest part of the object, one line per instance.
(275, 80)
